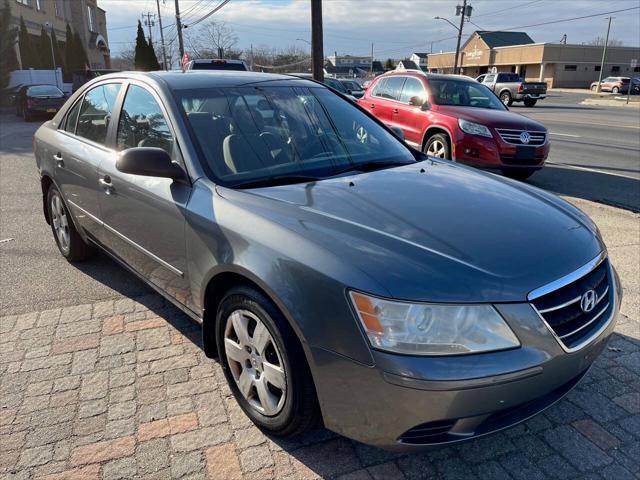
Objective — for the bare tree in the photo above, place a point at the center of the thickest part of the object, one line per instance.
(613, 42)
(125, 59)
(211, 38)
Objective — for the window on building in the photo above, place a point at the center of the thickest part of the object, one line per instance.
(570, 68)
(596, 68)
(91, 15)
(636, 69)
(38, 4)
(56, 8)
(25, 2)
(615, 69)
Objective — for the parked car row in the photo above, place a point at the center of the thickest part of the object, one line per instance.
(339, 275)
(456, 118)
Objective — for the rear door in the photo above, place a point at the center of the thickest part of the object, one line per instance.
(410, 117)
(385, 97)
(79, 148)
(144, 216)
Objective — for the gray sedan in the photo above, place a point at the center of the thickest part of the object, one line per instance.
(340, 276)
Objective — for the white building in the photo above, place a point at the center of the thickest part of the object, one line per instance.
(419, 59)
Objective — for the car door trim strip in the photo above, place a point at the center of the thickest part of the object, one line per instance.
(138, 247)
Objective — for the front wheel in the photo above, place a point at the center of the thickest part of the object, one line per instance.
(26, 115)
(530, 102)
(67, 238)
(505, 98)
(438, 146)
(518, 173)
(264, 364)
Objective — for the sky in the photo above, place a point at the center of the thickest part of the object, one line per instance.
(395, 27)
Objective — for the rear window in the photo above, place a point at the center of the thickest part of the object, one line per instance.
(44, 90)
(508, 77)
(219, 65)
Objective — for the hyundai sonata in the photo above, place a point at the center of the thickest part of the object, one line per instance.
(339, 275)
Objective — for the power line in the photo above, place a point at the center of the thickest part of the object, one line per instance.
(509, 8)
(222, 4)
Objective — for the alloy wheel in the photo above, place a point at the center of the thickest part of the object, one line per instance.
(60, 222)
(436, 149)
(255, 362)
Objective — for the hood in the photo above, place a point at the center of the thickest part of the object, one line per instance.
(493, 118)
(447, 234)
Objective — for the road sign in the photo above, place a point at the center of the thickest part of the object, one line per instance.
(634, 63)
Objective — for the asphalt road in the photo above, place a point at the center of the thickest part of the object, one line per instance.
(595, 155)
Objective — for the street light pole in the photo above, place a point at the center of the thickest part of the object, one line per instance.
(53, 55)
(317, 49)
(604, 56)
(164, 50)
(179, 29)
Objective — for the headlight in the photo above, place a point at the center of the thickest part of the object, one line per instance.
(473, 128)
(432, 329)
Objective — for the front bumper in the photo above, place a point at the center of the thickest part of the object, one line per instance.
(496, 153)
(407, 402)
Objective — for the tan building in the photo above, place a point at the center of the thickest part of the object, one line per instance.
(560, 65)
(84, 17)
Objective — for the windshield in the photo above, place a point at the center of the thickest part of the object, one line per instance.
(352, 85)
(44, 90)
(462, 93)
(335, 84)
(275, 135)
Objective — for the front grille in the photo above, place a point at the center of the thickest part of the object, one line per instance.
(512, 136)
(514, 160)
(426, 433)
(562, 309)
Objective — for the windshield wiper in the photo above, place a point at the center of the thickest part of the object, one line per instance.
(276, 180)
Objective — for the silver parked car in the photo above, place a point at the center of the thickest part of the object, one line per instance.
(338, 274)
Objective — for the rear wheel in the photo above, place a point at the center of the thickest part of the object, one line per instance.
(518, 173)
(594, 88)
(26, 115)
(67, 238)
(615, 90)
(530, 102)
(505, 98)
(264, 363)
(438, 146)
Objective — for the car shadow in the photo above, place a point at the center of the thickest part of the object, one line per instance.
(615, 190)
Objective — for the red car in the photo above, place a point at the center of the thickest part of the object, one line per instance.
(454, 117)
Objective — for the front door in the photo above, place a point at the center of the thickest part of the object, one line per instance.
(410, 117)
(144, 216)
(81, 145)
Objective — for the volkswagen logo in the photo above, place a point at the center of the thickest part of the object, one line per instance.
(588, 301)
(361, 135)
(525, 137)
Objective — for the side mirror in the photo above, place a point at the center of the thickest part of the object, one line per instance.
(397, 131)
(416, 101)
(149, 162)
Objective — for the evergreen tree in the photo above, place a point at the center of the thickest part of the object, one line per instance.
(70, 63)
(153, 63)
(80, 52)
(142, 50)
(56, 51)
(43, 49)
(8, 57)
(27, 54)
(389, 64)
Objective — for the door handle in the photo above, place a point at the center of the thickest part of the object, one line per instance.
(373, 105)
(59, 161)
(105, 183)
(395, 110)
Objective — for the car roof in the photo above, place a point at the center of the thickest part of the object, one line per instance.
(179, 80)
(427, 76)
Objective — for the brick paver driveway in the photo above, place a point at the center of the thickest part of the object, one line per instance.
(122, 389)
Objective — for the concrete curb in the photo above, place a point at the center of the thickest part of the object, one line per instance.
(611, 102)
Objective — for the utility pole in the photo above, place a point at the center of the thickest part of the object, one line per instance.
(462, 12)
(164, 50)
(148, 22)
(317, 48)
(371, 71)
(604, 57)
(179, 28)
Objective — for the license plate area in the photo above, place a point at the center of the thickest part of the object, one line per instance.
(525, 152)
(52, 110)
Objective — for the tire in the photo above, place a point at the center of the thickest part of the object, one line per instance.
(594, 88)
(250, 333)
(27, 115)
(438, 146)
(18, 112)
(615, 90)
(69, 242)
(518, 173)
(529, 102)
(505, 98)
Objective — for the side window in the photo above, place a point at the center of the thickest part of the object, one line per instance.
(72, 118)
(489, 78)
(412, 88)
(394, 87)
(95, 112)
(380, 87)
(142, 123)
